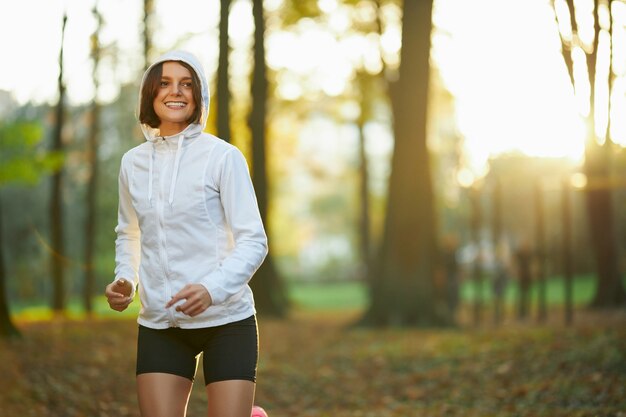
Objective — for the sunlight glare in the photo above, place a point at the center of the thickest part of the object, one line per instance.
(604, 16)
(240, 22)
(355, 47)
(465, 177)
(618, 110)
(372, 59)
(315, 55)
(585, 18)
(391, 38)
(619, 38)
(578, 180)
(327, 6)
(339, 21)
(273, 5)
(505, 101)
(582, 88)
(565, 28)
(364, 12)
(288, 85)
(391, 42)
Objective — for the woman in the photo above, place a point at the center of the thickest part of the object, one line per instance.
(190, 235)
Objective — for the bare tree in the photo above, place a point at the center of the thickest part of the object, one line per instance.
(92, 163)
(368, 84)
(599, 196)
(7, 328)
(223, 91)
(270, 294)
(364, 201)
(57, 266)
(403, 288)
(148, 10)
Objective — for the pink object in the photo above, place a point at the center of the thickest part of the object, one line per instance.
(258, 412)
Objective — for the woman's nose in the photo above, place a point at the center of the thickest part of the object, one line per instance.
(175, 88)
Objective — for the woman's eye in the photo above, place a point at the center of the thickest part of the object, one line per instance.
(187, 84)
(164, 83)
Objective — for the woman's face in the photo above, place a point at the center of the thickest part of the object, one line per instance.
(174, 103)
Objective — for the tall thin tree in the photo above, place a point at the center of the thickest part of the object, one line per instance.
(92, 163)
(148, 10)
(269, 290)
(610, 290)
(368, 84)
(223, 91)
(7, 328)
(57, 266)
(364, 201)
(403, 291)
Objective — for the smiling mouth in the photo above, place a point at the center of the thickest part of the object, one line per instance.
(175, 104)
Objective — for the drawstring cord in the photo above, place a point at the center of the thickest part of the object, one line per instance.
(175, 172)
(151, 163)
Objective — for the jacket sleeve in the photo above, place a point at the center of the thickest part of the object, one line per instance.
(127, 243)
(242, 216)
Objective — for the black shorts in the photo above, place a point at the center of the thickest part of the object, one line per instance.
(229, 352)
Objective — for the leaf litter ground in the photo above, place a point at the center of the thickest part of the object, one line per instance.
(315, 364)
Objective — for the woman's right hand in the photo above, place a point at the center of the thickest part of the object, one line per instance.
(115, 297)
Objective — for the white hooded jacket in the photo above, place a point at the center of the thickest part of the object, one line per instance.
(188, 214)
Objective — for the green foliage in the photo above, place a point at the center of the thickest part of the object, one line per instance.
(22, 158)
(294, 10)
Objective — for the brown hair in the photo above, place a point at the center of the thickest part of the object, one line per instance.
(151, 87)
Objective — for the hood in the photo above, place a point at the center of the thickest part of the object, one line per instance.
(151, 133)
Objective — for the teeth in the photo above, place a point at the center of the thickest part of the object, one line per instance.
(175, 104)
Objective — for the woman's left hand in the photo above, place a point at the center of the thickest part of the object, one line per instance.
(197, 299)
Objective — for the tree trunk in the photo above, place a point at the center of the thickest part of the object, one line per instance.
(476, 221)
(540, 253)
(7, 328)
(56, 200)
(403, 290)
(501, 263)
(269, 291)
(148, 8)
(366, 83)
(223, 91)
(603, 229)
(92, 183)
(568, 261)
(364, 212)
(610, 290)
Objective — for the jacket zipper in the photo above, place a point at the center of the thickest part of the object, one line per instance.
(162, 254)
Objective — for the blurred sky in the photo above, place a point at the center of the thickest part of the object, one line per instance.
(500, 58)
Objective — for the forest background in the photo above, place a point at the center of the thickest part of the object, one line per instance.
(430, 163)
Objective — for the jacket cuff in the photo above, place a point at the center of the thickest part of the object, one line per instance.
(218, 294)
(134, 290)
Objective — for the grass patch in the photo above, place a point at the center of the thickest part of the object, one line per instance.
(352, 295)
(583, 289)
(328, 296)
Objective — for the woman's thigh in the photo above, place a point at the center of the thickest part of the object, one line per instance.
(163, 395)
(232, 398)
